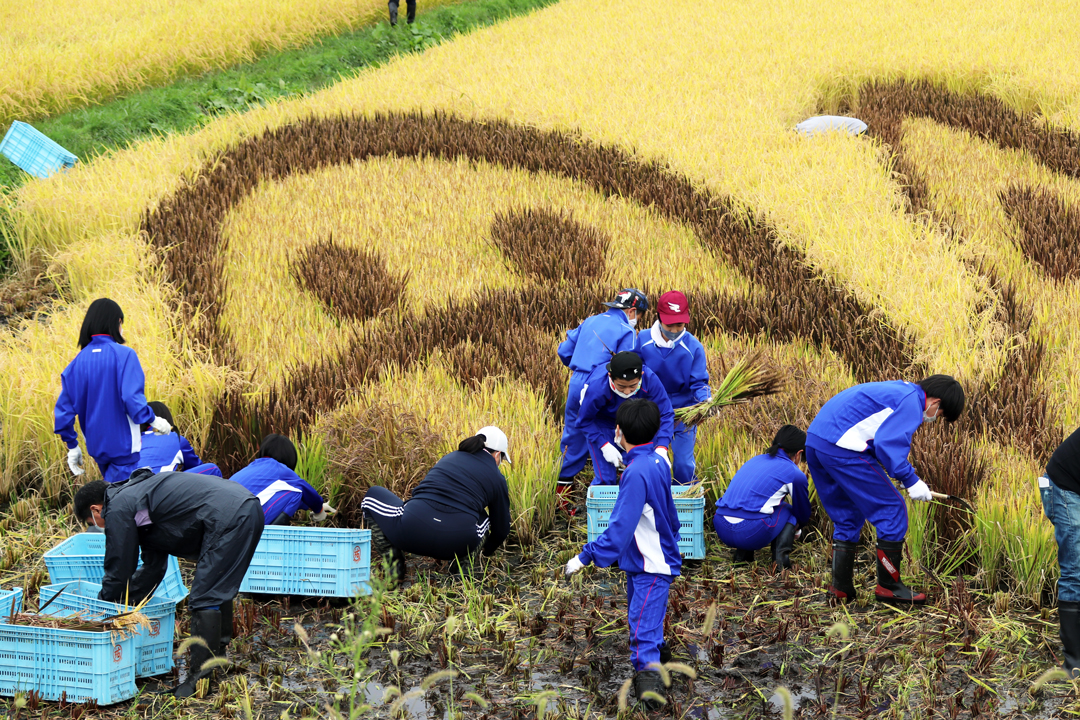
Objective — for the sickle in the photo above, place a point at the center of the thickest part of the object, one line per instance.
(962, 501)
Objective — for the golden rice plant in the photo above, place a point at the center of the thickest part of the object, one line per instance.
(747, 379)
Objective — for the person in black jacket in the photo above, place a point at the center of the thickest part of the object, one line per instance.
(205, 518)
(445, 518)
(1059, 487)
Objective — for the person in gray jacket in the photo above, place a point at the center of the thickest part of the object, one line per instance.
(204, 518)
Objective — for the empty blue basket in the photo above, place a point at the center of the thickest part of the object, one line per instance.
(34, 152)
(82, 557)
(601, 501)
(323, 562)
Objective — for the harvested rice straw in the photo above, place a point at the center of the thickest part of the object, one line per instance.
(750, 378)
(696, 490)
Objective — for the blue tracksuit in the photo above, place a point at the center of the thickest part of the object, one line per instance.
(682, 369)
(643, 537)
(166, 453)
(103, 387)
(857, 441)
(596, 417)
(582, 351)
(278, 488)
(755, 499)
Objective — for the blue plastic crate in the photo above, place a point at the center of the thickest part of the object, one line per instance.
(154, 646)
(74, 664)
(34, 152)
(601, 501)
(324, 562)
(82, 557)
(10, 601)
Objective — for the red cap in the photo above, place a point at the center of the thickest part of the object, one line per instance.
(672, 308)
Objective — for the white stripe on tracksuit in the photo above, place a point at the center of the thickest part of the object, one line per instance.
(482, 528)
(381, 508)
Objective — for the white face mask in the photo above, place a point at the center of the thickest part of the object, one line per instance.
(928, 418)
(618, 437)
(632, 322)
(630, 394)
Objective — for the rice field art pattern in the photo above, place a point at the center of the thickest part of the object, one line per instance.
(559, 264)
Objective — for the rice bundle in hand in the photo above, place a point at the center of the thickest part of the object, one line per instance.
(750, 378)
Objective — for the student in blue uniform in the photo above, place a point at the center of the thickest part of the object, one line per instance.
(753, 513)
(678, 359)
(856, 446)
(588, 346)
(271, 477)
(461, 503)
(643, 537)
(171, 452)
(604, 391)
(103, 388)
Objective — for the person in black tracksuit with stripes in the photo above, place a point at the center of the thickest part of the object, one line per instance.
(460, 501)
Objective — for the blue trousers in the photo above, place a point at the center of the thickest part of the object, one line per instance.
(1062, 508)
(684, 468)
(646, 607)
(116, 472)
(854, 488)
(604, 473)
(573, 445)
(283, 502)
(753, 534)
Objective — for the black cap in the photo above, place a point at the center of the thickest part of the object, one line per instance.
(625, 366)
(630, 298)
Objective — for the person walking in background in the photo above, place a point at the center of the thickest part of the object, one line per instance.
(1059, 487)
(678, 359)
(753, 513)
(588, 346)
(858, 441)
(272, 478)
(103, 388)
(606, 389)
(643, 538)
(410, 7)
(172, 451)
(460, 501)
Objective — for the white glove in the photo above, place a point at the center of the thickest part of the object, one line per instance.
(75, 460)
(662, 452)
(574, 565)
(611, 454)
(161, 426)
(321, 515)
(920, 491)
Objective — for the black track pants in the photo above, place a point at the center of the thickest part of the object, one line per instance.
(424, 528)
(225, 557)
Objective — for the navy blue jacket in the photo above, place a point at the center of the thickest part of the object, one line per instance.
(103, 387)
(761, 484)
(164, 453)
(643, 532)
(681, 368)
(599, 403)
(584, 346)
(469, 483)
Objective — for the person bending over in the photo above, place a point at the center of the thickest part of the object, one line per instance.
(215, 522)
(753, 512)
(445, 518)
(172, 451)
(643, 537)
(271, 477)
(856, 445)
(103, 388)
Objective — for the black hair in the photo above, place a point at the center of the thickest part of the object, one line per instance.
(947, 389)
(280, 448)
(161, 410)
(473, 444)
(790, 439)
(102, 318)
(92, 493)
(639, 420)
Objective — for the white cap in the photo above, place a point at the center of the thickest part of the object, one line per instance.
(494, 439)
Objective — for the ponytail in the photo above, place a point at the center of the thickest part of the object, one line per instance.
(472, 444)
(790, 439)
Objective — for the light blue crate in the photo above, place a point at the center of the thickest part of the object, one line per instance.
(34, 152)
(10, 603)
(73, 664)
(322, 562)
(601, 501)
(82, 557)
(154, 646)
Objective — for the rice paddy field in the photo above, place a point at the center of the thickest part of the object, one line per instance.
(379, 268)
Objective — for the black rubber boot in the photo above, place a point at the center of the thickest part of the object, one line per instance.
(781, 547)
(665, 653)
(843, 571)
(742, 556)
(393, 12)
(1069, 618)
(207, 625)
(890, 554)
(411, 14)
(226, 625)
(649, 681)
(398, 564)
